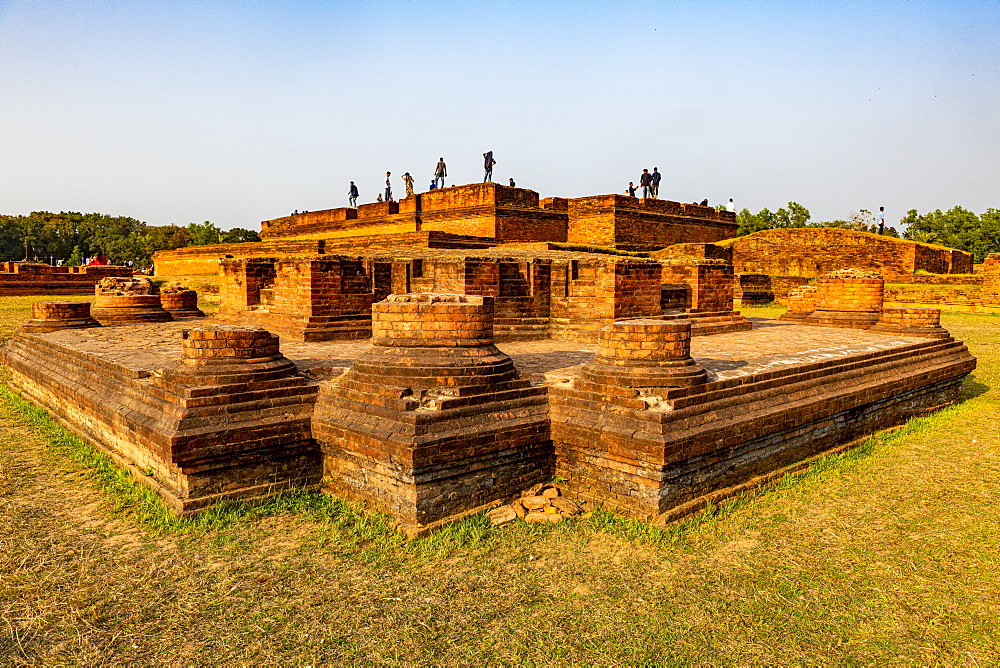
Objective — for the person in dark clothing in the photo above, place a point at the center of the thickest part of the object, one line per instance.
(352, 196)
(646, 183)
(704, 202)
(631, 189)
(512, 184)
(488, 163)
(654, 182)
(434, 185)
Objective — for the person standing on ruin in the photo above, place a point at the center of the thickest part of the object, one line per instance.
(654, 182)
(631, 189)
(408, 182)
(880, 217)
(352, 196)
(440, 172)
(646, 183)
(731, 206)
(488, 164)
(388, 187)
(512, 184)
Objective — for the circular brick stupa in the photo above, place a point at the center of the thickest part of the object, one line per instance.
(849, 298)
(123, 301)
(801, 303)
(911, 321)
(53, 316)
(645, 353)
(430, 346)
(228, 355)
(180, 302)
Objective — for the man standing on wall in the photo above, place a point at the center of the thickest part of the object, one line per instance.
(440, 172)
(408, 182)
(654, 182)
(352, 196)
(488, 162)
(388, 188)
(880, 217)
(645, 182)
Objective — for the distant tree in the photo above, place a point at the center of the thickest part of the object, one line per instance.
(795, 215)
(203, 234)
(239, 235)
(75, 257)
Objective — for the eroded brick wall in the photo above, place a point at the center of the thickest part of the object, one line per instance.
(811, 252)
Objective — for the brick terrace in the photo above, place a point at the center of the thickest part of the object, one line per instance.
(770, 346)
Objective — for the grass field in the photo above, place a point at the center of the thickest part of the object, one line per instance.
(886, 554)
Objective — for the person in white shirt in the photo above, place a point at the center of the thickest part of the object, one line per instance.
(880, 217)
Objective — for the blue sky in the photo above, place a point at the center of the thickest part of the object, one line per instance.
(235, 112)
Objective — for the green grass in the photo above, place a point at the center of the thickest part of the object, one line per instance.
(885, 553)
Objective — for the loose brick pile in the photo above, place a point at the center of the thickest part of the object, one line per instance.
(122, 301)
(542, 504)
(53, 316)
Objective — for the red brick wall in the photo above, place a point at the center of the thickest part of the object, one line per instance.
(812, 252)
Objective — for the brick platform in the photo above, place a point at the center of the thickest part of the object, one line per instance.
(434, 420)
(226, 418)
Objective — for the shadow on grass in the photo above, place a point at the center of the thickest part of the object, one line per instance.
(972, 388)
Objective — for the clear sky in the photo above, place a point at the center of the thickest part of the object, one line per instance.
(235, 112)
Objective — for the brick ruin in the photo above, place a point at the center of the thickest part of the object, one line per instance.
(434, 418)
(435, 356)
(811, 252)
(35, 278)
(537, 293)
(478, 215)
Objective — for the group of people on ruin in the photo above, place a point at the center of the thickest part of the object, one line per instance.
(438, 181)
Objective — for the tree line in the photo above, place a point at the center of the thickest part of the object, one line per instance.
(957, 227)
(71, 236)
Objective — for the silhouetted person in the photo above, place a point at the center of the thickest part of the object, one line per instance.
(654, 182)
(512, 184)
(880, 217)
(440, 172)
(434, 185)
(646, 182)
(379, 198)
(631, 189)
(388, 187)
(352, 196)
(408, 182)
(704, 202)
(488, 163)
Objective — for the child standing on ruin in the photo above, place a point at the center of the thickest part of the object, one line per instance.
(408, 182)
